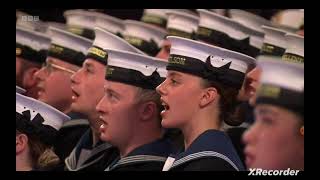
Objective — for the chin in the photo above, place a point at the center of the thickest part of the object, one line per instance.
(167, 123)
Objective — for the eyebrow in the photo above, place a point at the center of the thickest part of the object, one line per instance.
(266, 111)
(108, 89)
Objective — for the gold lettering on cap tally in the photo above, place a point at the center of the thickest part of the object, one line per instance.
(75, 30)
(153, 19)
(56, 49)
(293, 58)
(133, 40)
(98, 52)
(204, 31)
(269, 91)
(18, 51)
(267, 48)
(177, 60)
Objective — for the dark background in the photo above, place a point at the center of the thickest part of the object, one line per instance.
(56, 14)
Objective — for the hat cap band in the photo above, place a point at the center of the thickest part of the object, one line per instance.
(180, 33)
(269, 49)
(194, 66)
(156, 20)
(293, 58)
(30, 54)
(223, 40)
(98, 54)
(274, 95)
(133, 77)
(84, 32)
(66, 54)
(149, 47)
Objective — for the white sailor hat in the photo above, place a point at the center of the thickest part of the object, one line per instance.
(295, 48)
(135, 69)
(282, 83)
(68, 47)
(291, 18)
(144, 36)
(256, 36)
(249, 19)
(222, 12)
(207, 61)
(156, 17)
(32, 46)
(213, 21)
(182, 24)
(274, 42)
(81, 22)
(104, 41)
(20, 90)
(57, 25)
(224, 32)
(37, 118)
(110, 23)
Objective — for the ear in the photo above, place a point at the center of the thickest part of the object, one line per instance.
(29, 78)
(21, 143)
(302, 131)
(147, 110)
(208, 96)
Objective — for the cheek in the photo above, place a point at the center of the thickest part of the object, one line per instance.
(97, 90)
(17, 67)
(59, 84)
(274, 149)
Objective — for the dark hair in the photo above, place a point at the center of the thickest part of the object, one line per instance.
(227, 103)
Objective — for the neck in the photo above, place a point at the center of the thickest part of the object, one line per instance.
(143, 135)
(200, 123)
(23, 163)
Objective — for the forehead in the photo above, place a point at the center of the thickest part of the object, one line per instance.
(184, 76)
(61, 63)
(92, 63)
(120, 88)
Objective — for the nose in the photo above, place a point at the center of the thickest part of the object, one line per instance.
(40, 74)
(75, 78)
(102, 105)
(161, 89)
(254, 74)
(249, 135)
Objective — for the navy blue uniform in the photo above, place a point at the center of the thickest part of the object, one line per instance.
(211, 151)
(148, 157)
(69, 134)
(85, 157)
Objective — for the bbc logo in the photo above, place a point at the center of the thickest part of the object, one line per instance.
(30, 18)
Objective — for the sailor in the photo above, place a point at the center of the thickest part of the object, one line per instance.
(130, 112)
(31, 52)
(279, 117)
(198, 94)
